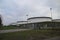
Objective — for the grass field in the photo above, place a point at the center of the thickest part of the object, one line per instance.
(30, 35)
(8, 27)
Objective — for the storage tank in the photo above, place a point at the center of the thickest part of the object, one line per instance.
(38, 19)
(56, 20)
(22, 22)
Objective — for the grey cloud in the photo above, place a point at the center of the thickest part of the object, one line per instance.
(15, 10)
(55, 5)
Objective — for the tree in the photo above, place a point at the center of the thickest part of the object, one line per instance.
(0, 21)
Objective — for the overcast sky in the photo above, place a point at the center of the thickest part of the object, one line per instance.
(16, 10)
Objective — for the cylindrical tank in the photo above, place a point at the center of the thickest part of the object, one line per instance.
(38, 19)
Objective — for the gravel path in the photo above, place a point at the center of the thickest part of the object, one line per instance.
(12, 30)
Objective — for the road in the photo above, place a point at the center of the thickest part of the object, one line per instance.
(54, 38)
(12, 30)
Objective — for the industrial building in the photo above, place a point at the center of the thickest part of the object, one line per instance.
(39, 23)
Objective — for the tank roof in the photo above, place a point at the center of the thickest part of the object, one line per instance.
(38, 17)
(21, 21)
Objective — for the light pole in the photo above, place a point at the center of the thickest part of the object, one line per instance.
(27, 16)
(51, 12)
(27, 19)
(51, 17)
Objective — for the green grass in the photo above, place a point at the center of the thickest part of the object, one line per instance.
(7, 28)
(30, 35)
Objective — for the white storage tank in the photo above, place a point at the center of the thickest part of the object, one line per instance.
(38, 19)
(56, 20)
(22, 22)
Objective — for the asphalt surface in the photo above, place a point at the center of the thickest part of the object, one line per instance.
(12, 30)
(54, 38)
